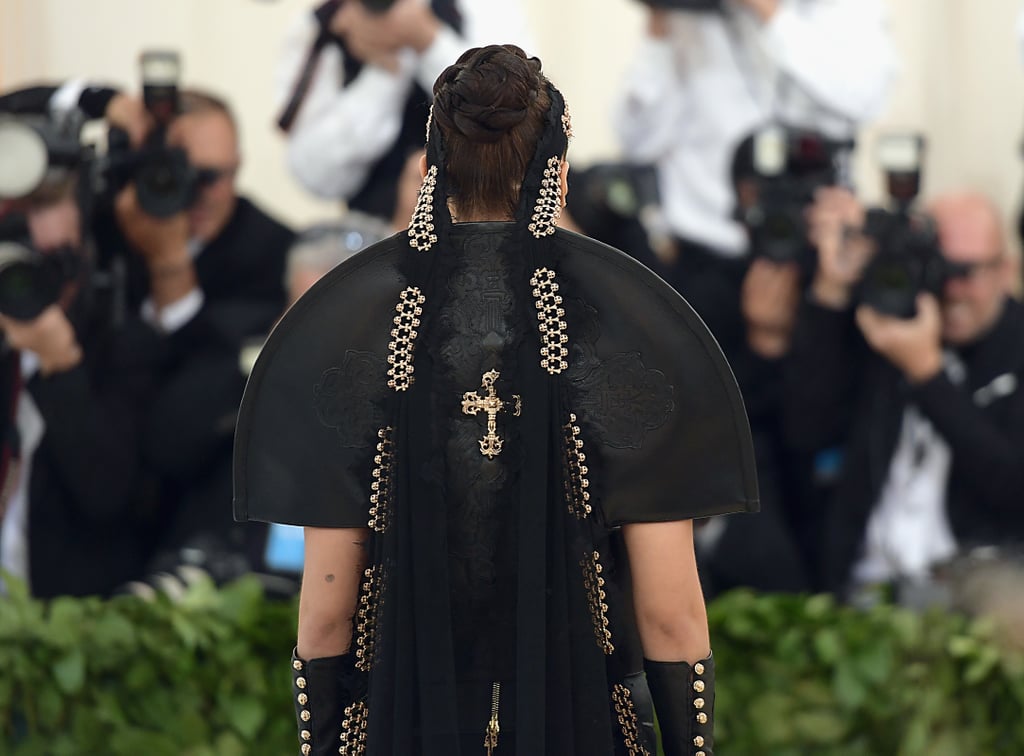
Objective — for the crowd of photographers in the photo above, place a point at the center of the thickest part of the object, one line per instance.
(122, 362)
(879, 349)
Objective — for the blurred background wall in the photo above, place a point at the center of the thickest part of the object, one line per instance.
(960, 84)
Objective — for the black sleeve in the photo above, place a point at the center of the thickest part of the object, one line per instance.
(192, 416)
(821, 377)
(28, 101)
(36, 100)
(92, 426)
(987, 444)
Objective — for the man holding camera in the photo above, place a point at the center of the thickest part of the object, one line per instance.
(709, 73)
(74, 516)
(355, 81)
(928, 406)
(209, 278)
(204, 269)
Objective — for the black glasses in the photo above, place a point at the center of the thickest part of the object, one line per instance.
(966, 270)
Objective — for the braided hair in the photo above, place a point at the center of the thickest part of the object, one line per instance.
(490, 109)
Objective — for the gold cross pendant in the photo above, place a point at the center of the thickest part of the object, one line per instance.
(472, 403)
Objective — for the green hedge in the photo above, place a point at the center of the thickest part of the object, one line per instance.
(209, 676)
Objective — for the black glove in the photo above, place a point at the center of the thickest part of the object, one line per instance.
(684, 699)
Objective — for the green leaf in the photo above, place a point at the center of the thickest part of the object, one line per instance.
(70, 672)
(820, 606)
(850, 691)
(50, 706)
(827, 645)
(186, 630)
(114, 630)
(65, 620)
(771, 715)
(16, 588)
(246, 715)
(875, 661)
(820, 727)
(982, 666)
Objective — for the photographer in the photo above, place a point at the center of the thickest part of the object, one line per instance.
(774, 174)
(74, 515)
(212, 246)
(927, 403)
(208, 278)
(355, 78)
(204, 270)
(704, 79)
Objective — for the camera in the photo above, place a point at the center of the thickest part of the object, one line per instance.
(776, 172)
(909, 258)
(908, 261)
(30, 281)
(165, 182)
(40, 161)
(36, 152)
(34, 149)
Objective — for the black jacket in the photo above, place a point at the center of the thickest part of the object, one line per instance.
(841, 392)
(90, 510)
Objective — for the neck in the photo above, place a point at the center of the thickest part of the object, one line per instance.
(480, 217)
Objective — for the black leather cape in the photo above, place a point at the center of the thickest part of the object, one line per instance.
(611, 403)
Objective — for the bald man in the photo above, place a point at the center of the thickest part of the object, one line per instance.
(928, 410)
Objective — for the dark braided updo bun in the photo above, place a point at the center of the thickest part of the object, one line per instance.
(490, 108)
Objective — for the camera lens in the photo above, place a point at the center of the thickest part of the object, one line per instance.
(29, 283)
(165, 183)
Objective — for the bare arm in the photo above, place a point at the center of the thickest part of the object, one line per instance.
(334, 563)
(667, 595)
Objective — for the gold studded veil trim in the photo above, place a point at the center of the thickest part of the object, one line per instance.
(551, 318)
(383, 482)
(548, 208)
(593, 584)
(369, 617)
(353, 730)
(409, 309)
(626, 712)
(576, 483)
(421, 232)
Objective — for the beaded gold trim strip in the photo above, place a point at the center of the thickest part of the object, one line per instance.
(623, 699)
(551, 317)
(404, 334)
(567, 123)
(593, 583)
(548, 208)
(353, 730)
(383, 477)
(421, 227)
(576, 484)
(367, 618)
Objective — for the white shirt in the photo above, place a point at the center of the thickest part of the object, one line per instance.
(690, 98)
(341, 133)
(14, 527)
(908, 531)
